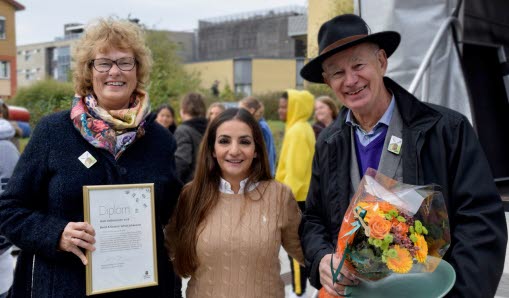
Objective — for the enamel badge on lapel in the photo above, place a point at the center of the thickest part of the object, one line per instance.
(395, 145)
(87, 159)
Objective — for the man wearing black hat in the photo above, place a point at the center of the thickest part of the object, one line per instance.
(384, 127)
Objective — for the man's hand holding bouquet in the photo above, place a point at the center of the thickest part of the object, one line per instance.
(390, 228)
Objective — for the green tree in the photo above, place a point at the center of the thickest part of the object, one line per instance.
(168, 79)
(43, 98)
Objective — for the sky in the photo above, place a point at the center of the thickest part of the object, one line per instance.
(42, 21)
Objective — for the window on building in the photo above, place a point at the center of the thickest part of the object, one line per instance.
(242, 69)
(5, 70)
(299, 64)
(2, 27)
(61, 64)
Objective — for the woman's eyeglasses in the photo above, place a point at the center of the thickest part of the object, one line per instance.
(105, 64)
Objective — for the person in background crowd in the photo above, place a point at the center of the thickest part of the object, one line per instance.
(41, 209)
(383, 126)
(18, 132)
(9, 156)
(215, 88)
(294, 167)
(214, 110)
(256, 108)
(326, 112)
(233, 218)
(165, 115)
(189, 134)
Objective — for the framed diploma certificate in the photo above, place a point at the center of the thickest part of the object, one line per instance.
(124, 221)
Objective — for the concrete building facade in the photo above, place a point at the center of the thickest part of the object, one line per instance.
(253, 52)
(8, 79)
(253, 34)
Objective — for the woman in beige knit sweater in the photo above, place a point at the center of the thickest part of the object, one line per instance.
(232, 219)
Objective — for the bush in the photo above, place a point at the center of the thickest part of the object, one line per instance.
(271, 102)
(43, 98)
(271, 99)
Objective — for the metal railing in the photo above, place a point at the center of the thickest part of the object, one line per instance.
(423, 73)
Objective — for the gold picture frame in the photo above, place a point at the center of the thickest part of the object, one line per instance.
(123, 217)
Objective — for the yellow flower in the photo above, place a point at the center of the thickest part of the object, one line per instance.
(422, 252)
(371, 210)
(402, 263)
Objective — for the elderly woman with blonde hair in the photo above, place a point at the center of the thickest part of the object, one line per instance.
(41, 209)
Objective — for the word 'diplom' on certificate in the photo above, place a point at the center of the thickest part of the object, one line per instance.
(124, 223)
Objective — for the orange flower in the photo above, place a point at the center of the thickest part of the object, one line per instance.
(385, 207)
(402, 263)
(379, 227)
(422, 252)
(399, 227)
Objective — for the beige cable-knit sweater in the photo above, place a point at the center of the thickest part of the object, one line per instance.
(238, 248)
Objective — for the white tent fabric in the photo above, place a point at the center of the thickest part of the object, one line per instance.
(418, 22)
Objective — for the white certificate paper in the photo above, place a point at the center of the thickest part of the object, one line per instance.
(124, 223)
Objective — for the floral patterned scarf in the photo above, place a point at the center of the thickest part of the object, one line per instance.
(112, 130)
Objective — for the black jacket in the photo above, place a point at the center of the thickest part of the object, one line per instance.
(188, 136)
(45, 193)
(439, 146)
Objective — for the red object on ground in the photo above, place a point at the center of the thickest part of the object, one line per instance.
(19, 114)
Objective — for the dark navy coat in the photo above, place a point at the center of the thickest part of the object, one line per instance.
(45, 193)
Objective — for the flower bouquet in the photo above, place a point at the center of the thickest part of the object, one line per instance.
(391, 227)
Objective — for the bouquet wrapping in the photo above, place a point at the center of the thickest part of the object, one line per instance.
(392, 228)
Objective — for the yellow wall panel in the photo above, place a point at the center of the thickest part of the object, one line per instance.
(5, 88)
(320, 11)
(210, 71)
(273, 75)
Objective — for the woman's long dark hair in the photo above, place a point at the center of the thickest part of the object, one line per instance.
(200, 196)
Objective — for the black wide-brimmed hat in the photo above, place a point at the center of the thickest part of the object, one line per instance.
(341, 33)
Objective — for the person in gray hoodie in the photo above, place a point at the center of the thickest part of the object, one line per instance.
(9, 156)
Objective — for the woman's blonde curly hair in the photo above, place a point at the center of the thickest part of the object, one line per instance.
(104, 35)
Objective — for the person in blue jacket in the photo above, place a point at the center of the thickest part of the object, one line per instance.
(41, 209)
(256, 108)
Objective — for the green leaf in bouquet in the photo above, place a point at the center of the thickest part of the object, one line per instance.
(377, 242)
(388, 216)
(413, 237)
(424, 230)
(393, 213)
(367, 253)
(411, 229)
(401, 219)
(388, 238)
(392, 253)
